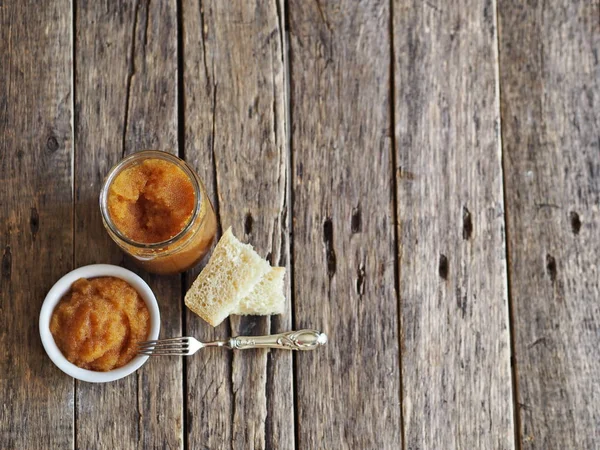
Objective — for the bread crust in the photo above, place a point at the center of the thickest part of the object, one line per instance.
(231, 274)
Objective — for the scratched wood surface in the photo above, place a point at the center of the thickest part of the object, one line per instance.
(36, 217)
(550, 80)
(348, 395)
(234, 115)
(428, 173)
(455, 342)
(125, 101)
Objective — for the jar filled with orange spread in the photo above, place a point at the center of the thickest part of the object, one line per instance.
(154, 206)
(98, 324)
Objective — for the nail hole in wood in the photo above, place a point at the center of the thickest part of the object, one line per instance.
(360, 280)
(575, 222)
(551, 267)
(467, 224)
(52, 144)
(34, 222)
(248, 222)
(356, 221)
(329, 251)
(443, 267)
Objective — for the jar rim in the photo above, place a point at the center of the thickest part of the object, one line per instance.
(130, 160)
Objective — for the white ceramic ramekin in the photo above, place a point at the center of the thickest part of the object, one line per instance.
(61, 287)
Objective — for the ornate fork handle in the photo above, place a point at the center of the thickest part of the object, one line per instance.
(292, 340)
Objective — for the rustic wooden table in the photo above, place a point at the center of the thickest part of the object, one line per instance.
(429, 173)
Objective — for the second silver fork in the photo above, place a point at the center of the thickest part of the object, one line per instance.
(185, 346)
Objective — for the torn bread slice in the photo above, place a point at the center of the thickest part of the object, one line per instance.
(232, 272)
(266, 298)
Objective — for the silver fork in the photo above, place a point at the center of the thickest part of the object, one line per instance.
(185, 346)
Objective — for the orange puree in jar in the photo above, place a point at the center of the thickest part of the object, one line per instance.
(152, 201)
(155, 207)
(99, 322)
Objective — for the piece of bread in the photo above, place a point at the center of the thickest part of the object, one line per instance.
(266, 298)
(232, 272)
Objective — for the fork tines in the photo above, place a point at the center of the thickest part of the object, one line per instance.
(164, 347)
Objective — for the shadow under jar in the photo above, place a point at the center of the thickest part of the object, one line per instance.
(155, 207)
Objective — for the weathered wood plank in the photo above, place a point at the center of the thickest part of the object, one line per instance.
(454, 303)
(36, 217)
(208, 376)
(550, 84)
(126, 101)
(343, 247)
(235, 137)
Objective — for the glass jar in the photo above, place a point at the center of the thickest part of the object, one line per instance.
(186, 248)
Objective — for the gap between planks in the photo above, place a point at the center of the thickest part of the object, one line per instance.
(73, 177)
(510, 312)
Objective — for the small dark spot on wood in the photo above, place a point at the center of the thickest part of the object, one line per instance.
(329, 251)
(34, 222)
(541, 340)
(356, 222)
(590, 166)
(6, 263)
(487, 13)
(248, 222)
(575, 222)
(327, 231)
(461, 302)
(443, 267)
(253, 108)
(52, 144)
(360, 280)
(434, 7)
(248, 324)
(467, 224)
(406, 174)
(551, 267)
(20, 154)
(189, 421)
(300, 170)
(453, 34)
(269, 257)
(331, 263)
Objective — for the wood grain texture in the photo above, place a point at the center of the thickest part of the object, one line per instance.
(348, 394)
(235, 137)
(36, 221)
(453, 288)
(550, 84)
(126, 101)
